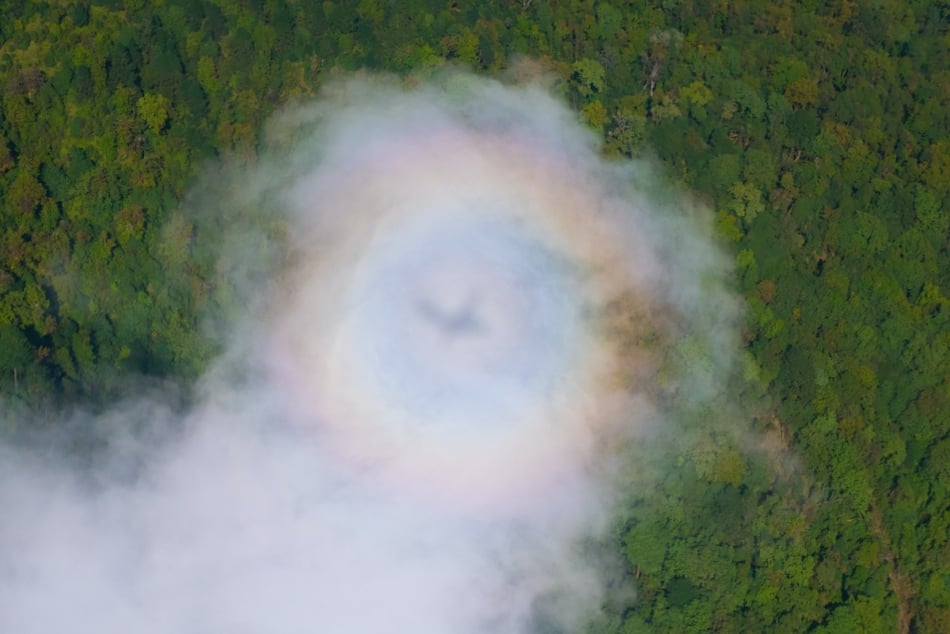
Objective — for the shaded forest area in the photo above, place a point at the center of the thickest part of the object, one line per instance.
(818, 131)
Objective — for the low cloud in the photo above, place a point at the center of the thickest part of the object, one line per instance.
(461, 319)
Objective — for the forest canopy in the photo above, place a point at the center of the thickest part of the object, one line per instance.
(817, 132)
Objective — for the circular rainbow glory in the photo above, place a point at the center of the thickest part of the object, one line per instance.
(465, 274)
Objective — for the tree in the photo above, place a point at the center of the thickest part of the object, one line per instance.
(155, 110)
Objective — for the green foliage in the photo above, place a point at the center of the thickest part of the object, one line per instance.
(818, 135)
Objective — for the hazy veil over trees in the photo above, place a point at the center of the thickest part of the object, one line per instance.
(817, 132)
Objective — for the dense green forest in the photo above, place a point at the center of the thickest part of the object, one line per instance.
(816, 130)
